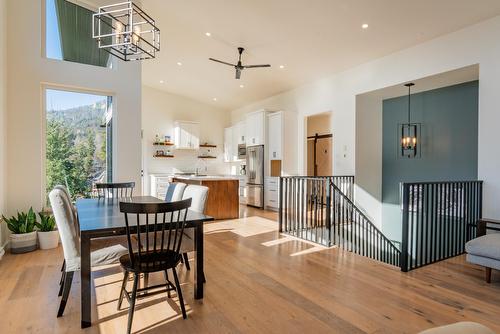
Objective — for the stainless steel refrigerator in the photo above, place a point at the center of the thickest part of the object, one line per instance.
(255, 176)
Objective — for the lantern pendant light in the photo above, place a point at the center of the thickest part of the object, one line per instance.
(409, 132)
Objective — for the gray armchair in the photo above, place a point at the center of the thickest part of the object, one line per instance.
(485, 249)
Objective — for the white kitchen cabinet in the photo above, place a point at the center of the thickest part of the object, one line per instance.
(275, 135)
(271, 193)
(159, 185)
(282, 143)
(186, 135)
(255, 128)
(239, 133)
(228, 144)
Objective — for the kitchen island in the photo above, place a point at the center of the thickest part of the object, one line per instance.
(223, 194)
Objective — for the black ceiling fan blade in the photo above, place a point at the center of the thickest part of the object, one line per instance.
(238, 73)
(256, 66)
(220, 61)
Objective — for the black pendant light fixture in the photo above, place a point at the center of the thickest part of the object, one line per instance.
(409, 132)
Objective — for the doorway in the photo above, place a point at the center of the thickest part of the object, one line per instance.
(319, 145)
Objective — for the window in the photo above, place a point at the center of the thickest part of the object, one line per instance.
(69, 34)
(78, 141)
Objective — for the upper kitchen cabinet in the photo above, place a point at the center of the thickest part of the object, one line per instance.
(239, 133)
(187, 135)
(255, 128)
(275, 135)
(282, 143)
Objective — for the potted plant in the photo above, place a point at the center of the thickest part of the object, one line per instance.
(48, 236)
(23, 236)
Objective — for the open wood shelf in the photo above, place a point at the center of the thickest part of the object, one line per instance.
(208, 145)
(163, 156)
(163, 144)
(206, 157)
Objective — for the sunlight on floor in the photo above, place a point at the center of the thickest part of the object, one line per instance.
(153, 311)
(245, 227)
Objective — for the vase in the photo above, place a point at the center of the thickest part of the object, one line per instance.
(48, 240)
(23, 243)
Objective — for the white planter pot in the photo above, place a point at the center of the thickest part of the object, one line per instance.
(22, 243)
(48, 240)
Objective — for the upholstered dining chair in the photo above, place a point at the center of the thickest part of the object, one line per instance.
(175, 190)
(198, 195)
(63, 215)
(160, 255)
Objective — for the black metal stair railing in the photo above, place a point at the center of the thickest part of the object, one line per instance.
(321, 210)
(438, 219)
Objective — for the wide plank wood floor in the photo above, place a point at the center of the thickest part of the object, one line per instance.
(258, 282)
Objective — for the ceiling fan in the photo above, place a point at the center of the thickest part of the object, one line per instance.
(239, 66)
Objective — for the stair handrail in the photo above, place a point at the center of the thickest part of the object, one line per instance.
(364, 216)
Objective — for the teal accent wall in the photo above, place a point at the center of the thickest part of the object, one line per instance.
(449, 139)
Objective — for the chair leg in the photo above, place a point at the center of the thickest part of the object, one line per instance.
(61, 283)
(186, 261)
(168, 283)
(123, 290)
(68, 279)
(63, 265)
(179, 293)
(488, 275)
(132, 303)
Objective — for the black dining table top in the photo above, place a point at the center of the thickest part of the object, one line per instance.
(104, 214)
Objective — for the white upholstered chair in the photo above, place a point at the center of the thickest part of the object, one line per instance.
(66, 226)
(199, 196)
(174, 191)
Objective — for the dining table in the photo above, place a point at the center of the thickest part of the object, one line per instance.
(101, 217)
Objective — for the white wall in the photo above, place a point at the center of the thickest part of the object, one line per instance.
(3, 116)
(159, 111)
(477, 44)
(369, 156)
(28, 73)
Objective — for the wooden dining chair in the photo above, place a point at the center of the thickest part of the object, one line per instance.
(115, 190)
(158, 220)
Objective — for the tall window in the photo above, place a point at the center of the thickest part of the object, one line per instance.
(69, 34)
(78, 141)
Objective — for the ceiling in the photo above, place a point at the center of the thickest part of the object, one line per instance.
(312, 39)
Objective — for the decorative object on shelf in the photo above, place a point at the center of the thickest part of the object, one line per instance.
(167, 139)
(48, 236)
(207, 145)
(23, 236)
(162, 154)
(157, 140)
(410, 133)
(126, 31)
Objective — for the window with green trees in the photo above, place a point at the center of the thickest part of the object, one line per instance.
(78, 141)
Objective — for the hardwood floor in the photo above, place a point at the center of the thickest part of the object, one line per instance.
(258, 282)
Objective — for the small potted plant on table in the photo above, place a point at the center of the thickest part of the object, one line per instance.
(23, 236)
(48, 236)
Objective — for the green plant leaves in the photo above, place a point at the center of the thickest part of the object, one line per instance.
(47, 222)
(23, 223)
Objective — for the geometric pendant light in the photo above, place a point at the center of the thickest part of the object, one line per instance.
(409, 140)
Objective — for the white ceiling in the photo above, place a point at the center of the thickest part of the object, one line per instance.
(312, 39)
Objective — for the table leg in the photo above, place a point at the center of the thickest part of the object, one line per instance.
(85, 281)
(198, 273)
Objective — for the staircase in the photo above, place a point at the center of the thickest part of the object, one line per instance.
(438, 218)
(321, 210)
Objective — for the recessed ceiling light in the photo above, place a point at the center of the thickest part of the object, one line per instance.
(282, 66)
(364, 26)
(208, 34)
(161, 81)
(215, 99)
(179, 63)
(242, 86)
